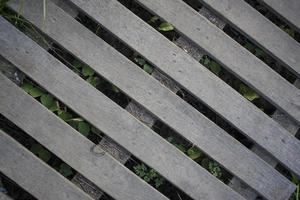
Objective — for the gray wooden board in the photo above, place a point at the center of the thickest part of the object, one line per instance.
(69, 145)
(179, 115)
(112, 120)
(291, 126)
(196, 79)
(34, 175)
(287, 10)
(260, 30)
(4, 196)
(232, 55)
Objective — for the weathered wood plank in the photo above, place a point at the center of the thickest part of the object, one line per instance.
(111, 119)
(232, 55)
(71, 146)
(291, 126)
(4, 197)
(33, 175)
(197, 79)
(260, 30)
(167, 106)
(288, 10)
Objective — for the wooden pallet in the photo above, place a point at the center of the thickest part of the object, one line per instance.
(274, 142)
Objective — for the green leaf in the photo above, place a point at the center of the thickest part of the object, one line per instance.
(215, 169)
(77, 64)
(84, 128)
(65, 116)
(165, 26)
(41, 152)
(159, 181)
(115, 89)
(148, 68)
(153, 19)
(27, 87)
(54, 107)
(247, 92)
(181, 147)
(47, 100)
(87, 71)
(147, 179)
(214, 67)
(65, 170)
(206, 61)
(36, 92)
(140, 61)
(94, 81)
(193, 153)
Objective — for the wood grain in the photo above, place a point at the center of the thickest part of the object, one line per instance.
(112, 120)
(167, 106)
(196, 79)
(34, 175)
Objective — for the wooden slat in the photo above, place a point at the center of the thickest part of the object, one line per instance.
(4, 197)
(197, 79)
(167, 106)
(260, 30)
(70, 146)
(289, 125)
(232, 55)
(33, 175)
(111, 119)
(287, 10)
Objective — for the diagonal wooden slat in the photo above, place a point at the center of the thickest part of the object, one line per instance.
(287, 10)
(196, 79)
(71, 146)
(232, 55)
(260, 30)
(4, 197)
(111, 119)
(165, 105)
(33, 175)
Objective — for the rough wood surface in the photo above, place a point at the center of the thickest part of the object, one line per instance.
(4, 197)
(167, 106)
(34, 175)
(289, 125)
(69, 145)
(287, 10)
(114, 121)
(196, 79)
(260, 30)
(232, 55)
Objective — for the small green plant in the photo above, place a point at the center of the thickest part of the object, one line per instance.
(91, 77)
(165, 26)
(162, 26)
(142, 63)
(247, 92)
(288, 30)
(52, 104)
(212, 65)
(65, 170)
(41, 152)
(192, 152)
(258, 52)
(215, 169)
(149, 175)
